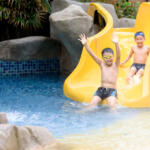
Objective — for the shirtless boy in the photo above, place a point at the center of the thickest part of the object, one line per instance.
(109, 73)
(139, 53)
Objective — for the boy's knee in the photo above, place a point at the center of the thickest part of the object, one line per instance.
(132, 72)
(95, 100)
(112, 102)
(133, 69)
(140, 72)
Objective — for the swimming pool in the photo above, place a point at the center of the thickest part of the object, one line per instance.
(39, 100)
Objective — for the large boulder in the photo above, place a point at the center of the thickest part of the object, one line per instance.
(34, 47)
(25, 138)
(126, 22)
(68, 24)
(58, 5)
(66, 63)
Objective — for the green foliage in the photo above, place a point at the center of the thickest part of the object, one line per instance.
(126, 9)
(104, 1)
(26, 14)
(123, 8)
(45, 4)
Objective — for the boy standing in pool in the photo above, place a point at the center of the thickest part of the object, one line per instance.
(109, 73)
(139, 53)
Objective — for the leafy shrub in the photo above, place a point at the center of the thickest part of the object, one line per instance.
(105, 1)
(25, 14)
(126, 9)
(123, 8)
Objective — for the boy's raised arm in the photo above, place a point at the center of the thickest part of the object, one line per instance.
(83, 40)
(115, 40)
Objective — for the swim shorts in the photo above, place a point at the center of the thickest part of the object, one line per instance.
(138, 66)
(105, 92)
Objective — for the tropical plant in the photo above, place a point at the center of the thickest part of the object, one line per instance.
(126, 9)
(24, 14)
(123, 7)
(105, 1)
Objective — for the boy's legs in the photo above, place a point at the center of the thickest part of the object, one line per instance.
(132, 72)
(95, 100)
(140, 73)
(112, 100)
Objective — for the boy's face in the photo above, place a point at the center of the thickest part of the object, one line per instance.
(108, 58)
(139, 40)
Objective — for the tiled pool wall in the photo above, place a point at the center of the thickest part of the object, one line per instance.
(29, 67)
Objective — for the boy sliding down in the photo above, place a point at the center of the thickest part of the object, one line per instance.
(109, 73)
(140, 52)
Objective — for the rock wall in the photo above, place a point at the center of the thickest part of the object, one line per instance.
(36, 47)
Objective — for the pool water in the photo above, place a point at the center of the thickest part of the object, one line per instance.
(39, 100)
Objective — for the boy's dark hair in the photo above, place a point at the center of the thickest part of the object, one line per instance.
(139, 33)
(107, 50)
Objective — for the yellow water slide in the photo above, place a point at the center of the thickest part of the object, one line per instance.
(85, 79)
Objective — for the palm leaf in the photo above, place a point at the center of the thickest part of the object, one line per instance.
(24, 13)
(46, 5)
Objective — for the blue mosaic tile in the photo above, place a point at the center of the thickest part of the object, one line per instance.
(29, 67)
